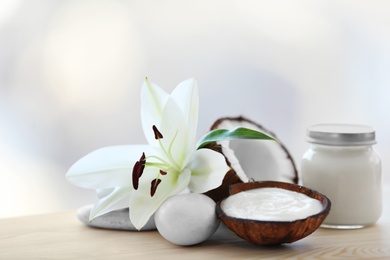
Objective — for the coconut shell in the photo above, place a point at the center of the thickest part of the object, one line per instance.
(231, 177)
(275, 232)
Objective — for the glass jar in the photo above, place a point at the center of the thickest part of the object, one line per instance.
(342, 164)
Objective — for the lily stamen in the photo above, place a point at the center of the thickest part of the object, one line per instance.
(157, 134)
(138, 169)
(153, 186)
(171, 144)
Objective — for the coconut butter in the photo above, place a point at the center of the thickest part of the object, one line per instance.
(342, 164)
(271, 204)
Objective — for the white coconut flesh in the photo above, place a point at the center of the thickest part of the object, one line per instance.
(257, 160)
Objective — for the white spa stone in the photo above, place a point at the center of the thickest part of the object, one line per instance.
(118, 220)
(271, 204)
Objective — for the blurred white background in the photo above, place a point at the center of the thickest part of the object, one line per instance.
(71, 71)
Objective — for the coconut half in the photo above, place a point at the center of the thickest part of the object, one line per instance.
(271, 232)
(251, 160)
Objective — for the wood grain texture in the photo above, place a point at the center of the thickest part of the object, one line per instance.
(62, 236)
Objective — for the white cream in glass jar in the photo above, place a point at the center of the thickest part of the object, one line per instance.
(342, 164)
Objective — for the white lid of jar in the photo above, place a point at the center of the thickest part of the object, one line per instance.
(341, 134)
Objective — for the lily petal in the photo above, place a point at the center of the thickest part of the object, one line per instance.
(143, 206)
(119, 198)
(173, 127)
(107, 167)
(101, 193)
(187, 97)
(153, 100)
(208, 168)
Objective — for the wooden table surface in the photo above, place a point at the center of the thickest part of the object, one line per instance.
(62, 236)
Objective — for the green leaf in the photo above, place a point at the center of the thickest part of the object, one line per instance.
(234, 134)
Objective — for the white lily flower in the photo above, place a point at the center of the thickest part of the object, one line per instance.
(142, 177)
